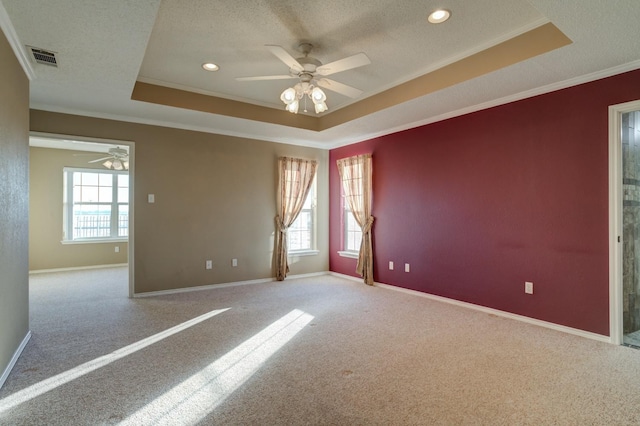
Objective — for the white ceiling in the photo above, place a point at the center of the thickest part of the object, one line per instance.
(104, 47)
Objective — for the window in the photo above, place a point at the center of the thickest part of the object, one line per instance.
(356, 176)
(301, 237)
(96, 204)
(352, 174)
(352, 231)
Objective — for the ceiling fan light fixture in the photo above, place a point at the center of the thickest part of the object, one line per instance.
(439, 16)
(125, 164)
(108, 164)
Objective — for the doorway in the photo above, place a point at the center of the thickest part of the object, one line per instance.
(624, 188)
(81, 204)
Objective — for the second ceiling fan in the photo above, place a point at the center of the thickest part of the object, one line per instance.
(311, 72)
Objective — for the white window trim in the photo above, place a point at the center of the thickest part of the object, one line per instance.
(69, 208)
(350, 254)
(96, 241)
(301, 253)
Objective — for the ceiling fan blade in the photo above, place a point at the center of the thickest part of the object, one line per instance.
(265, 77)
(343, 89)
(100, 159)
(344, 64)
(284, 56)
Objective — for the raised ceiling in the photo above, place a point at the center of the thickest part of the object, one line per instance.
(141, 61)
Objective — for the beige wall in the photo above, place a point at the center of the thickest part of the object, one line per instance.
(214, 199)
(14, 205)
(45, 216)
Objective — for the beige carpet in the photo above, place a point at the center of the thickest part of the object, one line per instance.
(318, 351)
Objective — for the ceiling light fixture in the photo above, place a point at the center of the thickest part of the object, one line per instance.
(292, 96)
(308, 69)
(117, 159)
(116, 164)
(210, 66)
(439, 16)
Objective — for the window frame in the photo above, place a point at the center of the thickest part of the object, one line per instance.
(312, 250)
(115, 205)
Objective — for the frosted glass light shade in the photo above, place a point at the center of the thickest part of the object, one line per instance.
(288, 96)
(317, 95)
(321, 107)
(117, 165)
(293, 107)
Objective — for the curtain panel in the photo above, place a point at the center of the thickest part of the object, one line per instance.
(356, 176)
(295, 176)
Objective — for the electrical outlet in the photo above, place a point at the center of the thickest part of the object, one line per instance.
(151, 198)
(528, 287)
(117, 249)
(407, 268)
(390, 265)
(234, 262)
(209, 264)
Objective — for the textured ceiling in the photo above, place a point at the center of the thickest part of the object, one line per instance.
(104, 47)
(394, 34)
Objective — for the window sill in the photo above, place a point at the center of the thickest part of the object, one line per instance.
(96, 241)
(350, 254)
(303, 253)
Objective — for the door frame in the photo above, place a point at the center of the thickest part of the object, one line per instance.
(616, 237)
(132, 158)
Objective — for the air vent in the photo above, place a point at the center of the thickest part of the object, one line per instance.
(42, 56)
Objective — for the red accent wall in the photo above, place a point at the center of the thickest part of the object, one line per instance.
(481, 203)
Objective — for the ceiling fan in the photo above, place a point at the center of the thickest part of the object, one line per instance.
(118, 159)
(311, 72)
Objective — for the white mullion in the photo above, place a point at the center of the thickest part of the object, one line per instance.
(115, 211)
(70, 204)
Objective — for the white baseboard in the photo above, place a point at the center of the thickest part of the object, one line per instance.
(347, 277)
(484, 309)
(309, 275)
(223, 285)
(14, 359)
(76, 268)
(522, 318)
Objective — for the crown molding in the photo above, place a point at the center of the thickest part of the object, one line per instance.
(18, 48)
(576, 81)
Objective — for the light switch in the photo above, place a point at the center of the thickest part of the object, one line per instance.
(151, 198)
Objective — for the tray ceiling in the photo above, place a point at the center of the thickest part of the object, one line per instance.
(141, 61)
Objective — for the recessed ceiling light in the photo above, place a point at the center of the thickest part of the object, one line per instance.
(209, 66)
(439, 16)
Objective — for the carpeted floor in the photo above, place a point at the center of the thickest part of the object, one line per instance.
(315, 351)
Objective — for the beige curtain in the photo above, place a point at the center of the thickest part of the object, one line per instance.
(356, 174)
(294, 181)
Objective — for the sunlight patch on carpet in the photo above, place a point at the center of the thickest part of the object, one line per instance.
(193, 399)
(53, 382)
